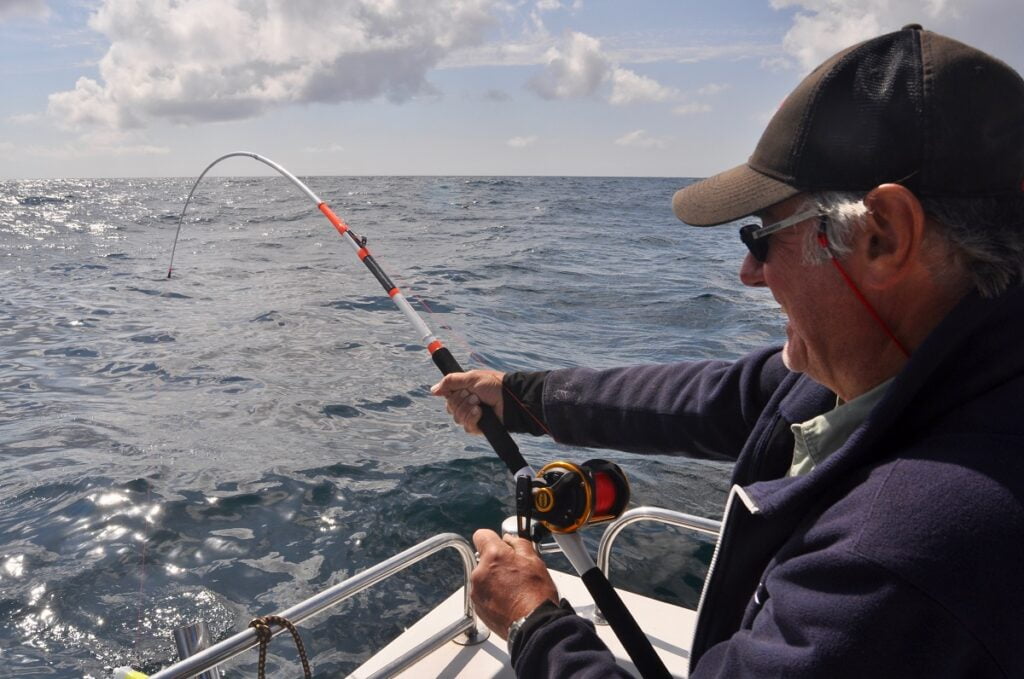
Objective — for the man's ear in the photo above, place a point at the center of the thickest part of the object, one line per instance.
(889, 244)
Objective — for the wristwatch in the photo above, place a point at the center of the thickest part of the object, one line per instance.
(514, 629)
(522, 628)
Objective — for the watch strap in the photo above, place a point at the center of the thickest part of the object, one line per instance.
(520, 631)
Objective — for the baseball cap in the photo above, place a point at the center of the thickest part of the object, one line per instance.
(912, 107)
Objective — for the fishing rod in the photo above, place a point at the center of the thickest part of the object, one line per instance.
(607, 599)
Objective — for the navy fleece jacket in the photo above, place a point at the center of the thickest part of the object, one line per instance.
(899, 556)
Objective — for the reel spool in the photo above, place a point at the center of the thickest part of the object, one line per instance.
(565, 497)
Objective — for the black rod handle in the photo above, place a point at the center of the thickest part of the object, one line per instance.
(489, 424)
(622, 622)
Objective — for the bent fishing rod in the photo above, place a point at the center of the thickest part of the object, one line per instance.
(607, 599)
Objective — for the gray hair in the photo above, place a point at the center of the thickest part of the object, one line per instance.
(983, 236)
(846, 212)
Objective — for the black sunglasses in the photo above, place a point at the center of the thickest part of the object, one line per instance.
(755, 236)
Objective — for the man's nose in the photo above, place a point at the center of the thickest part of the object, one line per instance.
(752, 272)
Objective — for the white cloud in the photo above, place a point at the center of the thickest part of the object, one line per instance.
(541, 6)
(10, 9)
(823, 27)
(829, 27)
(712, 89)
(530, 51)
(629, 87)
(691, 54)
(640, 139)
(576, 70)
(552, 5)
(91, 105)
(6, 146)
(534, 50)
(579, 68)
(695, 104)
(777, 64)
(691, 108)
(204, 60)
(522, 142)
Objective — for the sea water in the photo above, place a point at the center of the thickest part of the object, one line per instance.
(228, 442)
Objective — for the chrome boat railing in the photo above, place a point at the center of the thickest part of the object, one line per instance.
(468, 625)
(245, 640)
(697, 524)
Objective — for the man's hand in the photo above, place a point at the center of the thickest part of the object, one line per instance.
(464, 392)
(509, 581)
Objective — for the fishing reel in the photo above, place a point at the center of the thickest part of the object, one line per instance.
(565, 497)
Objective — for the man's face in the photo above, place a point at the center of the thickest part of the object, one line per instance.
(812, 296)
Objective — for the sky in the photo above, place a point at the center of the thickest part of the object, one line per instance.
(670, 88)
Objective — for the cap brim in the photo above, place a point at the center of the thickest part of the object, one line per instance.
(728, 196)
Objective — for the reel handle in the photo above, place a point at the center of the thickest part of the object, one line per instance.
(524, 506)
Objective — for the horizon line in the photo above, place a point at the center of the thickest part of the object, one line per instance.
(397, 176)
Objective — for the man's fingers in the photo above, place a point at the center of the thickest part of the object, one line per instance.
(486, 540)
(465, 394)
(461, 403)
(521, 546)
(452, 383)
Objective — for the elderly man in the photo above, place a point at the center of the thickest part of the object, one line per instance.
(876, 524)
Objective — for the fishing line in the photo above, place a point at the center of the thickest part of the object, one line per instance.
(492, 428)
(571, 544)
(453, 328)
(479, 359)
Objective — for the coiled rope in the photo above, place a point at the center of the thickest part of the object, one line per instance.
(265, 634)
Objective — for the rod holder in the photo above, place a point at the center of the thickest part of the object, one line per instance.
(191, 639)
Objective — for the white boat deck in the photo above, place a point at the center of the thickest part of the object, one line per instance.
(670, 629)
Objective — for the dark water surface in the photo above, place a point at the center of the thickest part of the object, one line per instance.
(258, 428)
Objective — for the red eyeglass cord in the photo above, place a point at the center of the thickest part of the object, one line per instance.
(823, 241)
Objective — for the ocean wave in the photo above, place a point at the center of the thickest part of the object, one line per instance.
(35, 201)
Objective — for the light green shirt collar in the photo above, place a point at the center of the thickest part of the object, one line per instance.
(821, 436)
